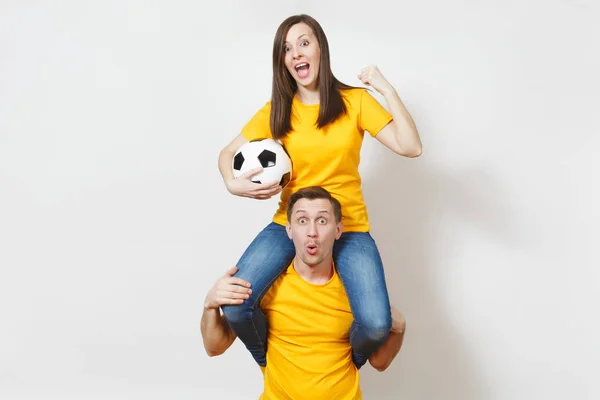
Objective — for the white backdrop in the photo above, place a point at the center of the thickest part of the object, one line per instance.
(114, 221)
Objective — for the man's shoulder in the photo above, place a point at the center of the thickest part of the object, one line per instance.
(276, 286)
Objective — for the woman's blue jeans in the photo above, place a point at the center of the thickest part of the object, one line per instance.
(359, 266)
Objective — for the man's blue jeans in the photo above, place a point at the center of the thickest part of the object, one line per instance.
(360, 268)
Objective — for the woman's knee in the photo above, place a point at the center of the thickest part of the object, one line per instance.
(375, 326)
(238, 313)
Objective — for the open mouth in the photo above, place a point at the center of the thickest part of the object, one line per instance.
(311, 249)
(302, 69)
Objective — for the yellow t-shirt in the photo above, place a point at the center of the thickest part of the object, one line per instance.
(308, 352)
(327, 157)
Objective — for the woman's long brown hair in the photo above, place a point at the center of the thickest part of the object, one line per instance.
(332, 105)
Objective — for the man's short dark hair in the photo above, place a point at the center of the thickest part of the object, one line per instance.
(315, 193)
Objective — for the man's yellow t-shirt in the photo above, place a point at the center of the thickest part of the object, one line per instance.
(327, 157)
(308, 352)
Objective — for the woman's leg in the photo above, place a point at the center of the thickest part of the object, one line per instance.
(269, 254)
(359, 265)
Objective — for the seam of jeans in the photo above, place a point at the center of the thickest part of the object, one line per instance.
(353, 331)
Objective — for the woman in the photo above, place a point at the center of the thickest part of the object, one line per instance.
(321, 123)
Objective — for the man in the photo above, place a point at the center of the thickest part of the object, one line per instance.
(308, 313)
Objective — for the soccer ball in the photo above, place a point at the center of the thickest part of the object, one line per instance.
(265, 153)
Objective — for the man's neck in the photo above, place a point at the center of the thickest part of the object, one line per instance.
(315, 274)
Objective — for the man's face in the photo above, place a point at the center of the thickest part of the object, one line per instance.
(313, 229)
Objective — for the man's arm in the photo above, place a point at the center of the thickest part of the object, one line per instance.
(216, 332)
(217, 335)
(383, 357)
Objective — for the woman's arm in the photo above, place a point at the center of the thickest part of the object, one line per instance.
(243, 185)
(400, 135)
(226, 157)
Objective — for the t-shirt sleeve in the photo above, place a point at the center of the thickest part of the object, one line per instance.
(259, 126)
(373, 117)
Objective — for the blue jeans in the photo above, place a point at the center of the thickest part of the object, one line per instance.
(360, 268)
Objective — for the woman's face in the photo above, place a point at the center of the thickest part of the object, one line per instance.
(302, 55)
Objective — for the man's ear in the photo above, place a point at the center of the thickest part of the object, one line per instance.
(339, 230)
(288, 229)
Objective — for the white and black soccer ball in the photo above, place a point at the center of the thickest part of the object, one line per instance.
(265, 153)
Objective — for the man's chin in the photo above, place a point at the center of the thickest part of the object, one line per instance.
(311, 260)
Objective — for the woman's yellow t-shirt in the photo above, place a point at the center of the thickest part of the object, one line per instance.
(327, 157)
